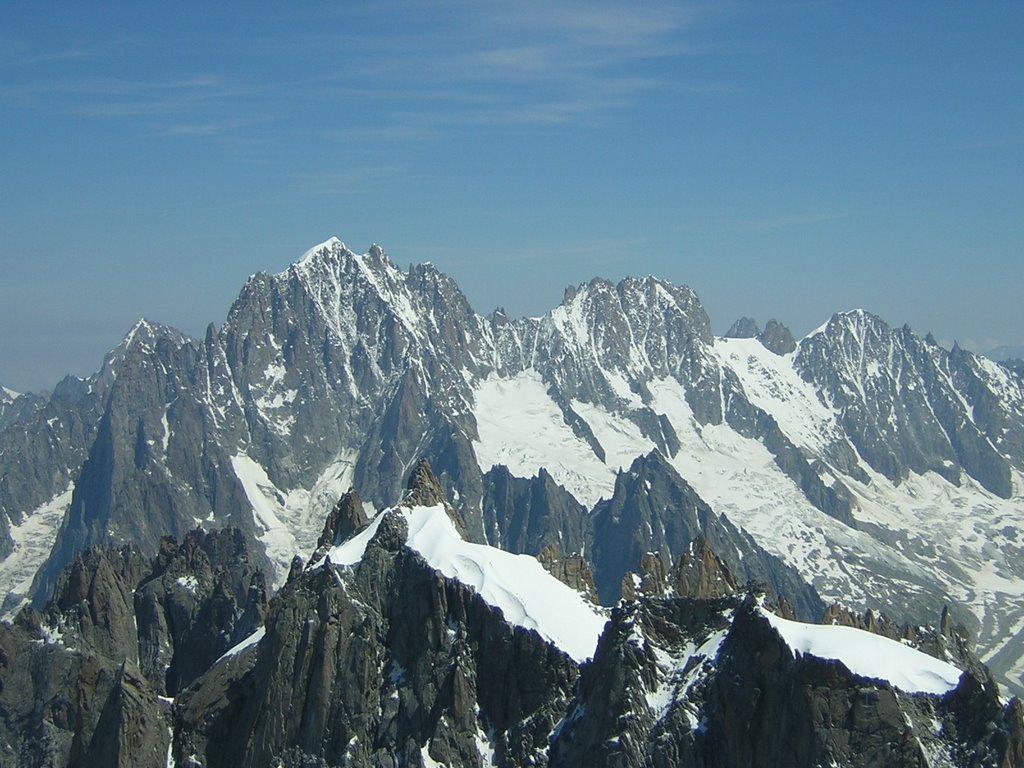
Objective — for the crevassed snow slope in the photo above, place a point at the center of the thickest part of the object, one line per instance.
(771, 383)
(964, 537)
(291, 520)
(932, 538)
(527, 595)
(869, 655)
(737, 476)
(33, 539)
(521, 427)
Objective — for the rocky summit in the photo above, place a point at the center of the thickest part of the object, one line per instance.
(615, 438)
(402, 643)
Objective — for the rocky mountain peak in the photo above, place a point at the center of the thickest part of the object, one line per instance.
(423, 487)
(346, 518)
(146, 333)
(329, 247)
(777, 338)
(698, 572)
(18, 406)
(744, 328)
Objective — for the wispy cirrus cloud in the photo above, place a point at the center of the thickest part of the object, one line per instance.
(443, 66)
(525, 64)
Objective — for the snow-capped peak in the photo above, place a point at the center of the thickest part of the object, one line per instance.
(527, 595)
(145, 332)
(141, 326)
(327, 245)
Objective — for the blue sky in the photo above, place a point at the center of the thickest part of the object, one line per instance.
(785, 160)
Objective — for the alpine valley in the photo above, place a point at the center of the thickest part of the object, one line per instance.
(362, 525)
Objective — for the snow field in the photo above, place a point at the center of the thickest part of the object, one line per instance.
(518, 585)
(869, 655)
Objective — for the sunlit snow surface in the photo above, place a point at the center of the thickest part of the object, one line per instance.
(290, 520)
(248, 642)
(527, 595)
(521, 427)
(869, 655)
(939, 539)
(33, 539)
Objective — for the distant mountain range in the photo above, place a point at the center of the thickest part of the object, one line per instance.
(860, 465)
(1005, 353)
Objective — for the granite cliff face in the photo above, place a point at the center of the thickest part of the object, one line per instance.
(89, 681)
(872, 464)
(403, 644)
(684, 682)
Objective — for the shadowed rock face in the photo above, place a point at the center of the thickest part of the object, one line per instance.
(524, 515)
(345, 518)
(744, 328)
(746, 700)
(81, 683)
(777, 338)
(377, 665)
(652, 510)
(388, 662)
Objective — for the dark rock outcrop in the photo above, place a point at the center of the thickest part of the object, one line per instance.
(345, 518)
(698, 572)
(743, 698)
(379, 665)
(777, 338)
(572, 570)
(524, 515)
(744, 328)
(83, 683)
(386, 661)
(653, 510)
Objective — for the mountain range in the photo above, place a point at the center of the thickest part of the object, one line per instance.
(862, 465)
(402, 643)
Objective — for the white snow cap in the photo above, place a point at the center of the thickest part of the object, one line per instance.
(527, 595)
(869, 655)
(328, 244)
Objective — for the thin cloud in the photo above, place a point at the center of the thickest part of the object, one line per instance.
(796, 220)
(554, 66)
(215, 128)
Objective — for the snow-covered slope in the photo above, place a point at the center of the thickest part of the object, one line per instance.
(527, 595)
(883, 467)
(917, 542)
(869, 655)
